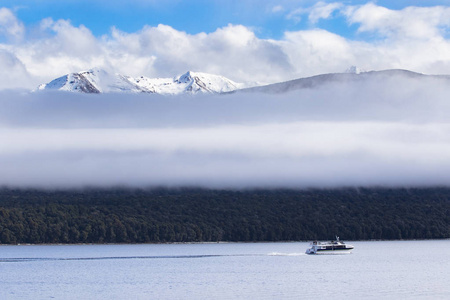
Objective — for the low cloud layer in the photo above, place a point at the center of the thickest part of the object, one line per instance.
(391, 132)
(414, 38)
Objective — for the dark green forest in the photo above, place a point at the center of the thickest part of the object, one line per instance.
(201, 215)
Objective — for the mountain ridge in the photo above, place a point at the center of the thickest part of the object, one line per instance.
(99, 81)
(321, 79)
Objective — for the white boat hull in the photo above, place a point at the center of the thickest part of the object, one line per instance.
(330, 252)
(333, 247)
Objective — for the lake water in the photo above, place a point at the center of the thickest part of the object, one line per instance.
(386, 270)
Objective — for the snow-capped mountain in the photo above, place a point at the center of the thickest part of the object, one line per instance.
(100, 81)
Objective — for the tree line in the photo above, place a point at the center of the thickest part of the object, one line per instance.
(200, 215)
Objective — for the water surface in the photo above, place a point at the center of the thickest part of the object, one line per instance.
(393, 270)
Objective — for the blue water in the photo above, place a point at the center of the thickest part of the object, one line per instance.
(387, 270)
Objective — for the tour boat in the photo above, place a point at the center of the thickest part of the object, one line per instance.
(333, 247)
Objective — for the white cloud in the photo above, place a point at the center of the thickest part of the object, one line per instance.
(317, 50)
(295, 15)
(322, 10)
(277, 8)
(13, 73)
(409, 23)
(70, 40)
(10, 26)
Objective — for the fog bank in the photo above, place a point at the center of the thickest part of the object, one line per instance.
(389, 133)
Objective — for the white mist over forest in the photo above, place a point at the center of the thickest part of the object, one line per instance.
(371, 133)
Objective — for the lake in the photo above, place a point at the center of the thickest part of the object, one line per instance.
(378, 269)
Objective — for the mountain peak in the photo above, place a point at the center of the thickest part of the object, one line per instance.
(95, 71)
(73, 82)
(184, 78)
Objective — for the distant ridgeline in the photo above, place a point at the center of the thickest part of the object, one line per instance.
(199, 215)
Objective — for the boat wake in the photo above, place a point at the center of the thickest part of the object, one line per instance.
(23, 259)
(285, 254)
(30, 259)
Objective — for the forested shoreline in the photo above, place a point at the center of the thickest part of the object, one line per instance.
(165, 215)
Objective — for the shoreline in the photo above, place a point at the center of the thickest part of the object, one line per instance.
(222, 242)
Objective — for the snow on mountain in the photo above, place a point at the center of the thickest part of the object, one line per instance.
(71, 82)
(99, 81)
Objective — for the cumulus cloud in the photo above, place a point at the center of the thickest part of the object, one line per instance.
(63, 49)
(69, 40)
(233, 51)
(409, 23)
(387, 131)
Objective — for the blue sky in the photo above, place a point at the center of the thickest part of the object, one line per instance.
(190, 16)
(245, 40)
